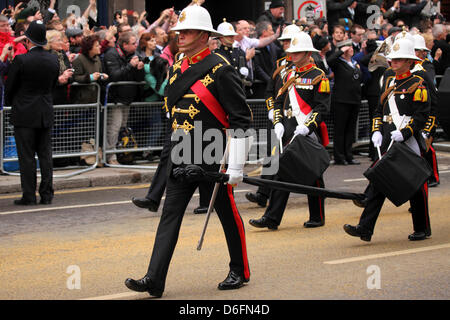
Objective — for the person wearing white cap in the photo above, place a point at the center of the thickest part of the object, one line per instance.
(425, 69)
(234, 55)
(283, 65)
(298, 110)
(204, 94)
(400, 117)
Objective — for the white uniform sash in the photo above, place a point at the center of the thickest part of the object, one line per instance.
(400, 121)
(300, 109)
(396, 117)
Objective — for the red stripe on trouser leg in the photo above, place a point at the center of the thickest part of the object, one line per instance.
(237, 218)
(435, 171)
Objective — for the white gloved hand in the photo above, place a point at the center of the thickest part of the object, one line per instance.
(301, 129)
(279, 130)
(168, 115)
(237, 155)
(397, 136)
(270, 115)
(425, 136)
(377, 139)
(235, 175)
(244, 71)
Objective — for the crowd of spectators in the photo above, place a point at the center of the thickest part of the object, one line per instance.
(135, 49)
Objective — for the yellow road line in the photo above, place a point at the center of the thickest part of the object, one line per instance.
(388, 254)
(114, 296)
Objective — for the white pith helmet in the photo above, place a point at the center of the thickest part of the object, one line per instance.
(301, 42)
(419, 43)
(289, 32)
(195, 17)
(404, 35)
(226, 29)
(403, 49)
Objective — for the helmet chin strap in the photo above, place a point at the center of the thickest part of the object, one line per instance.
(193, 41)
(303, 61)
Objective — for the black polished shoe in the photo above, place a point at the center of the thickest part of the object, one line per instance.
(142, 285)
(232, 281)
(145, 203)
(358, 231)
(353, 162)
(313, 224)
(45, 201)
(339, 162)
(417, 236)
(257, 198)
(23, 202)
(263, 222)
(360, 203)
(201, 210)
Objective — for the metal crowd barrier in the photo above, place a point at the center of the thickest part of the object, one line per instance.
(146, 121)
(75, 124)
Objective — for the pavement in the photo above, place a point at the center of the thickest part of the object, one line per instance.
(107, 176)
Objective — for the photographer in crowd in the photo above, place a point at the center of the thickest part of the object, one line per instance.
(122, 64)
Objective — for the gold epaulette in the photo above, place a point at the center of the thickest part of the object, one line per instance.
(420, 91)
(324, 85)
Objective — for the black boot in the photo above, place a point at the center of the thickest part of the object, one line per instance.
(232, 281)
(263, 222)
(419, 235)
(145, 203)
(358, 231)
(200, 210)
(258, 198)
(313, 224)
(23, 202)
(142, 285)
(360, 203)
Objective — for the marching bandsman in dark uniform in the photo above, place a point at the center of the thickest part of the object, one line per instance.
(31, 79)
(298, 109)
(283, 65)
(234, 55)
(401, 115)
(426, 66)
(204, 94)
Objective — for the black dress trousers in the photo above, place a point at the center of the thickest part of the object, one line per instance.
(178, 195)
(32, 141)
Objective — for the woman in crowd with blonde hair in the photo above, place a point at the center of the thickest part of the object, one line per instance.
(55, 45)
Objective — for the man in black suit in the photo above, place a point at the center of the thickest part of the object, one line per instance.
(265, 60)
(29, 86)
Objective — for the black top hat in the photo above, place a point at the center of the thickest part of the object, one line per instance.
(36, 33)
(276, 4)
